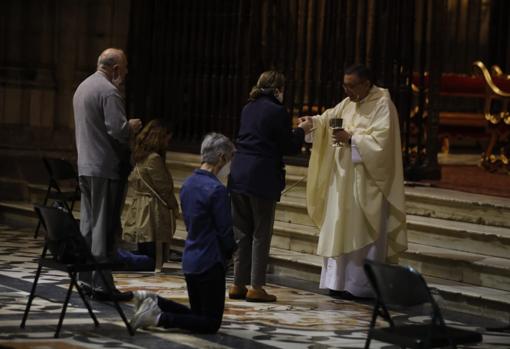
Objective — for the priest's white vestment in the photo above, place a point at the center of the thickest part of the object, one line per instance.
(355, 193)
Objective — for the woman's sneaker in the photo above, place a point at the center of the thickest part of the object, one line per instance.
(147, 315)
(140, 296)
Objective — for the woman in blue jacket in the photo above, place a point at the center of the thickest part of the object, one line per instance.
(257, 177)
(209, 244)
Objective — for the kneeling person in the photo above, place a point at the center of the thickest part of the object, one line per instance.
(209, 244)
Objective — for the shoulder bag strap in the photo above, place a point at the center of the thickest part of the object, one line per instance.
(150, 188)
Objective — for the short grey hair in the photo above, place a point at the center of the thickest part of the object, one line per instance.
(214, 146)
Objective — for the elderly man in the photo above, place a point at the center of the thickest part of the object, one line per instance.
(355, 190)
(102, 141)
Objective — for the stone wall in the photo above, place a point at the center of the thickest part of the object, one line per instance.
(47, 47)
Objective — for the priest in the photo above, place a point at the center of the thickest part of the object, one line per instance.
(355, 188)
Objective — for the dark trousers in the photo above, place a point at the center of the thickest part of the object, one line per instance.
(253, 228)
(206, 293)
(148, 249)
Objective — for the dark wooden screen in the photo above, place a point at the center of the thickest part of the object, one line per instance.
(47, 47)
(194, 61)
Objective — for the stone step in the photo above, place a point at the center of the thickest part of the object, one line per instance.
(475, 300)
(451, 295)
(489, 301)
(290, 209)
(37, 193)
(282, 261)
(440, 203)
(458, 206)
(13, 189)
(420, 201)
(286, 236)
(459, 236)
(17, 213)
(467, 268)
(295, 237)
(21, 213)
(294, 230)
(455, 265)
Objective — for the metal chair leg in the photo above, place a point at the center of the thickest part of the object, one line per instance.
(36, 232)
(367, 342)
(45, 201)
(64, 308)
(31, 297)
(124, 318)
(84, 299)
(116, 304)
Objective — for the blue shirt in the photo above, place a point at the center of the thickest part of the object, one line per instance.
(205, 204)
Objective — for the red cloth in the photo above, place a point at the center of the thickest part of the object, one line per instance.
(461, 84)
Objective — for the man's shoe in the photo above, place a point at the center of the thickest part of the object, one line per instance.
(147, 315)
(87, 290)
(237, 292)
(140, 296)
(259, 295)
(116, 295)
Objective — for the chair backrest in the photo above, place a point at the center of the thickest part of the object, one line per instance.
(64, 239)
(397, 285)
(59, 169)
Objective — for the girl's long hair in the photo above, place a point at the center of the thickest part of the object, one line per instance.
(152, 139)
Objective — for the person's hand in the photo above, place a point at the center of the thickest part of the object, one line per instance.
(306, 123)
(135, 125)
(340, 135)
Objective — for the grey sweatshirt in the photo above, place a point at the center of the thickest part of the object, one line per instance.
(101, 127)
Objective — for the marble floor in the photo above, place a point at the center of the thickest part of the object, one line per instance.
(303, 317)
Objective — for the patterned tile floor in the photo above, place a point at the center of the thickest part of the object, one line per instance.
(302, 318)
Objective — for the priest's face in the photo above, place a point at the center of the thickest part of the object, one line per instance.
(355, 88)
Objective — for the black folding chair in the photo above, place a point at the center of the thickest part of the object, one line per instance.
(69, 253)
(404, 287)
(59, 172)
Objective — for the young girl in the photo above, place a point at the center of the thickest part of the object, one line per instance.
(149, 215)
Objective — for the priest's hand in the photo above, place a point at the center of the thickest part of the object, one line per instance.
(306, 123)
(341, 135)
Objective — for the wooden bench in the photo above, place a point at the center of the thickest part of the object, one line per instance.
(466, 123)
(454, 124)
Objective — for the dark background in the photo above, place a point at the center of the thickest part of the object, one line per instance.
(194, 61)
